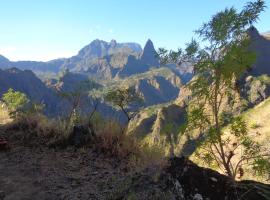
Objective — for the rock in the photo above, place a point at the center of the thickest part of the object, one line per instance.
(213, 179)
(3, 144)
(197, 197)
(2, 195)
(261, 46)
(81, 135)
(149, 55)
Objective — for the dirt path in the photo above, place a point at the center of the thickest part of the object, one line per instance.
(49, 174)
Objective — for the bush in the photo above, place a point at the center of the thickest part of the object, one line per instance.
(36, 129)
(15, 101)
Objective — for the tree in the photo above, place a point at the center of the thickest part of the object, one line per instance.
(124, 99)
(217, 67)
(15, 101)
(76, 96)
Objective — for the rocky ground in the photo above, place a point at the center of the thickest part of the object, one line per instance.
(83, 173)
(57, 174)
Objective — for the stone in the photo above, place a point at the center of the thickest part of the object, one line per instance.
(81, 135)
(197, 197)
(213, 179)
(2, 195)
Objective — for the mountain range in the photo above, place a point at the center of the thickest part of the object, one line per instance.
(100, 59)
(111, 65)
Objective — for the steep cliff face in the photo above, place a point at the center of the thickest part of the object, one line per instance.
(142, 64)
(27, 82)
(159, 126)
(261, 46)
(149, 55)
(157, 85)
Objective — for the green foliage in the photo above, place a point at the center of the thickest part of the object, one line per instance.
(15, 100)
(239, 127)
(261, 166)
(254, 125)
(124, 98)
(77, 96)
(223, 59)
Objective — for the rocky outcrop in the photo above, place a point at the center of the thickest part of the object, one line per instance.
(157, 90)
(148, 59)
(184, 180)
(261, 46)
(133, 66)
(149, 55)
(151, 127)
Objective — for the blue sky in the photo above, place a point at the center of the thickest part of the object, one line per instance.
(48, 29)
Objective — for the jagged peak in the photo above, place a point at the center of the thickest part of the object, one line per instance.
(113, 43)
(149, 55)
(253, 32)
(3, 58)
(149, 44)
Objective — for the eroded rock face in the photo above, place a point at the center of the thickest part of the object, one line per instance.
(255, 89)
(149, 55)
(148, 59)
(261, 46)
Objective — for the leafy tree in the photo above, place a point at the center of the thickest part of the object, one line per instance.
(77, 96)
(124, 99)
(217, 66)
(15, 101)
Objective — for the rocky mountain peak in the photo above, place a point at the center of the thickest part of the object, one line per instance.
(253, 33)
(3, 59)
(97, 48)
(149, 55)
(113, 43)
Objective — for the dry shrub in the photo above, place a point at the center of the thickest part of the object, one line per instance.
(36, 129)
(117, 145)
(149, 156)
(113, 142)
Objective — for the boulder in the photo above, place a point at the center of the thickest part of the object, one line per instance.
(81, 135)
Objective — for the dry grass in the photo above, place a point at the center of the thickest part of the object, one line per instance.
(35, 130)
(4, 115)
(258, 119)
(113, 142)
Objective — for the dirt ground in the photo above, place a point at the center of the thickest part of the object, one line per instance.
(57, 174)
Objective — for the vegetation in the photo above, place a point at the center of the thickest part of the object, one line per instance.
(15, 101)
(124, 99)
(218, 66)
(77, 96)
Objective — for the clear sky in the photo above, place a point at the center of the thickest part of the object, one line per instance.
(48, 29)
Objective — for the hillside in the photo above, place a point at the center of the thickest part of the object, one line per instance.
(258, 122)
(267, 35)
(31, 168)
(27, 82)
(151, 124)
(261, 46)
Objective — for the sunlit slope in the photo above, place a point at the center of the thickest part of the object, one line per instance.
(4, 116)
(258, 120)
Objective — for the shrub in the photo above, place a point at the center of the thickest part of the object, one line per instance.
(15, 101)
